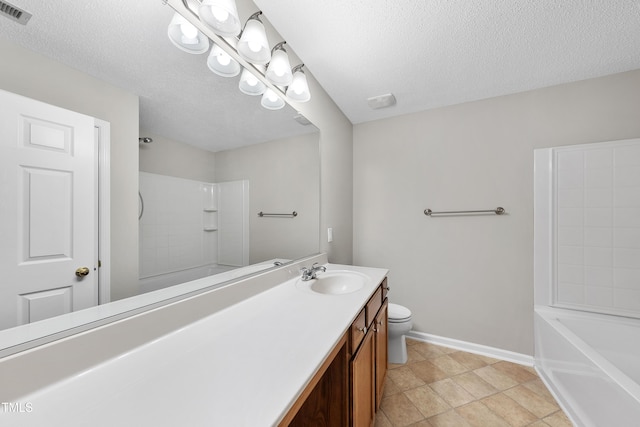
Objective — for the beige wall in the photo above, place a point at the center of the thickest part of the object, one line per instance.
(168, 157)
(336, 189)
(336, 172)
(471, 278)
(284, 176)
(29, 74)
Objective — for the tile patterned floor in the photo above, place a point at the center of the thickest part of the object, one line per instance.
(442, 387)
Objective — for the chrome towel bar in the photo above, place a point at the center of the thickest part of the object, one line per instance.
(282, 215)
(497, 211)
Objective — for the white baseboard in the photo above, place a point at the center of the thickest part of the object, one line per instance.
(496, 353)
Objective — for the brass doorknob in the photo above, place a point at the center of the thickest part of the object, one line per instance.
(82, 271)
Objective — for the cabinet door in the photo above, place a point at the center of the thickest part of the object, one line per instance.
(362, 383)
(381, 343)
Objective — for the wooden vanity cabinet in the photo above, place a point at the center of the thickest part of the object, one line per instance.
(347, 389)
(369, 362)
(382, 345)
(325, 400)
(363, 383)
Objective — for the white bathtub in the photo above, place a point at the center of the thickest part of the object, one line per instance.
(592, 364)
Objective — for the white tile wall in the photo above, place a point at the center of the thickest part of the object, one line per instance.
(597, 227)
(172, 236)
(233, 199)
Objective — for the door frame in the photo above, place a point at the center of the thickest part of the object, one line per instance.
(103, 187)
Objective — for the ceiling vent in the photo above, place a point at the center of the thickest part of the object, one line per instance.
(301, 119)
(382, 101)
(14, 13)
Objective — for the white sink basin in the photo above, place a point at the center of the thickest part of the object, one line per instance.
(335, 282)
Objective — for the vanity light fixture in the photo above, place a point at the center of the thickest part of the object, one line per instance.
(221, 16)
(221, 63)
(249, 83)
(271, 101)
(218, 20)
(298, 90)
(279, 69)
(185, 36)
(253, 45)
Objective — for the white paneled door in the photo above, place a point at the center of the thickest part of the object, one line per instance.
(48, 211)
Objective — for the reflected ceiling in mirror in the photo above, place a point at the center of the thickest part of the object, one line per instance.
(126, 44)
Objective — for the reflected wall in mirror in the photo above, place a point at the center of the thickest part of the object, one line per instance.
(226, 232)
(123, 70)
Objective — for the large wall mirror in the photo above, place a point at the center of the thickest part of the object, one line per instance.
(239, 158)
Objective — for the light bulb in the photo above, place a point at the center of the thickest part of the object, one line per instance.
(279, 70)
(298, 90)
(185, 36)
(189, 32)
(224, 59)
(250, 84)
(254, 46)
(296, 86)
(271, 101)
(220, 14)
(221, 63)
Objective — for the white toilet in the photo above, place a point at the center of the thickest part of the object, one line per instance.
(399, 324)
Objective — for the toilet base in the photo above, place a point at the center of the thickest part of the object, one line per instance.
(397, 350)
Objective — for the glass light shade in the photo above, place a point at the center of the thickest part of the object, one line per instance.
(221, 63)
(271, 101)
(279, 69)
(221, 16)
(253, 45)
(249, 83)
(185, 36)
(298, 90)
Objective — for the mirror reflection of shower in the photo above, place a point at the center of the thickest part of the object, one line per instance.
(190, 229)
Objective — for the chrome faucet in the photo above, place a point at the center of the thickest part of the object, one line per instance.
(311, 272)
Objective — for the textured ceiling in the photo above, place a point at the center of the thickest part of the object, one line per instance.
(125, 43)
(432, 53)
(428, 53)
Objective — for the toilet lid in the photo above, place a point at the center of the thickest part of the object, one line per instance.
(398, 312)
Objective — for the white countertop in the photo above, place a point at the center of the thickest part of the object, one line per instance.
(242, 366)
(38, 332)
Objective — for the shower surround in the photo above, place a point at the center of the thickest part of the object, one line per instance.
(587, 279)
(190, 229)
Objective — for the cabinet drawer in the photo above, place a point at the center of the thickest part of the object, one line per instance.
(358, 331)
(374, 305)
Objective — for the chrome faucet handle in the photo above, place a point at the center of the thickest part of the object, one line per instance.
(307, 273)
(316, 267)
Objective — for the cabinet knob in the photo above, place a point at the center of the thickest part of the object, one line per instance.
(363, 329)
